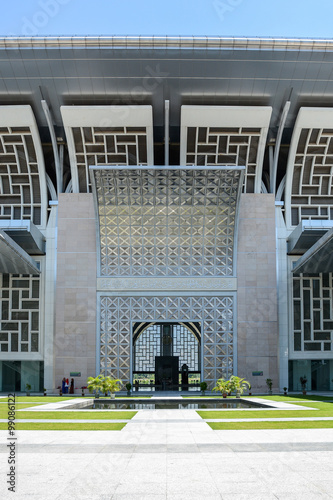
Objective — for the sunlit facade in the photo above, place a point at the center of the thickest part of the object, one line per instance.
(166, 211)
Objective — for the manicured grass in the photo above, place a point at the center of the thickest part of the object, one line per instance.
(293, 397)
(4, 409)
(322, 409)
(44, 399)
(318, 424)
(45, 426)
(27, 402)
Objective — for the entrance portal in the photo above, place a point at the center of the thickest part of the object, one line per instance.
(160, 352)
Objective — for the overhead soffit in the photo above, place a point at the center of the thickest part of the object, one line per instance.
(25, 234)
(319, 258)
(13, 259)
(97, 69)
(306, 234)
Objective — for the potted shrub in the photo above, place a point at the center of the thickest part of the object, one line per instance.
(44, 391)
(239, 385)
(250, 387)
(28, 389)
(95, 384)
(112, 385)
(269, 383)
(285, 389)
(128, 387)
(222, 386)
(303, 381)
(203, 387)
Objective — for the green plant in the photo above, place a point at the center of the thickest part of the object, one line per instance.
(128, 386)
(238, 384)
(303, 381)
(111, 385)
(269, 383)
(222, 386)
(203, 386)
(95, 384)
(285, 389)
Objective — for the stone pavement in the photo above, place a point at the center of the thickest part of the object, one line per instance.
(173, 455)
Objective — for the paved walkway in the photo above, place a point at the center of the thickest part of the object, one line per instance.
(171, 455)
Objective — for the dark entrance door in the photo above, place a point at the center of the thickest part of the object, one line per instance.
(11, 376)
(320, 375)
(167, 372)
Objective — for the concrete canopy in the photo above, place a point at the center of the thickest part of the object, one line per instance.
(13, 259)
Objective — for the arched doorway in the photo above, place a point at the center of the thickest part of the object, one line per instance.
(167, 355)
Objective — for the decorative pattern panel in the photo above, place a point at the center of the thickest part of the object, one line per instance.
(22, 171)
(108, 146)
(309, 187)
(167, 222)
(226, 135)
(312, 193)
(215, 314)
(186, 347)
(146, 347)
(313, 312)
(106, 135)
(225, 146)
(183, 344)
(19, 323)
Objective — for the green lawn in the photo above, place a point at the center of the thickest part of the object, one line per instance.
(44, 399)
(319, 424)
(23, 402)
(321, 409)
(45, 426)
(293, 397)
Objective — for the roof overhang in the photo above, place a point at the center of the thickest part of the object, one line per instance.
(27, 236)
(13, 259)
(306, 234)
(319, 258)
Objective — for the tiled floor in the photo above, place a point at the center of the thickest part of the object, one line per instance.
(171, 454)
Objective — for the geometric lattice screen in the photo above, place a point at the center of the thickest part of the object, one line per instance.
(106, 135)
(225, 146)
(22, 171)
(117, 315)
(181, 343)
(19, 320)
(167, 222)
(313, 312)
(309, 178)
(107, 146)
(226, 135)
(312, 187)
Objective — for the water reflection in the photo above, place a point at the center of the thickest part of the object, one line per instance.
(149, 405)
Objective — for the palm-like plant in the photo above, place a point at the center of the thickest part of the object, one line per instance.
(96, 384)
(238, 384)
(111, 385)
(222, 386)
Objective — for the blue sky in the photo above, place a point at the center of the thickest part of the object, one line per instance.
(285, 18)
